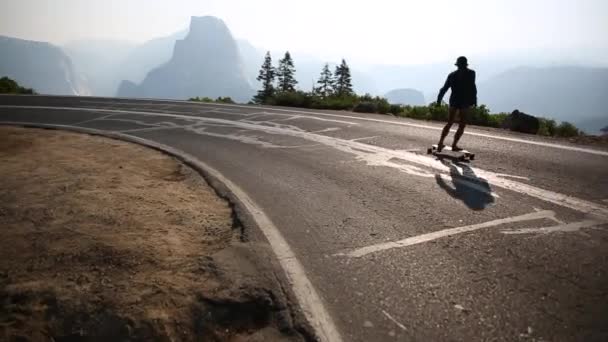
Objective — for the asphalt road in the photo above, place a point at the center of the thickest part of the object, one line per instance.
(400, 246)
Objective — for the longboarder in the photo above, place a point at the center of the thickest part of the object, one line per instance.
(463, 97)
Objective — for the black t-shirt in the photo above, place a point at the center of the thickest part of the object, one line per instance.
(464, 91)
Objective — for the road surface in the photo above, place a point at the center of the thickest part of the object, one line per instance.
(395, 244)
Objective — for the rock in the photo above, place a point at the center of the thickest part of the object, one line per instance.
(522, 122)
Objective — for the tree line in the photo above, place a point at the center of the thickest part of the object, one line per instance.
(279, 83)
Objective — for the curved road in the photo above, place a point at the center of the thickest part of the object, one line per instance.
(398, 245)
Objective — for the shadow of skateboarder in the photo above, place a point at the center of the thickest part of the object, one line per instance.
(466, 186)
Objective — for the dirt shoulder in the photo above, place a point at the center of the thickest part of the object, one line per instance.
(106, 240)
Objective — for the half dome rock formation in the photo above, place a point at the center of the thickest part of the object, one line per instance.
(411, 97)
(205, 63)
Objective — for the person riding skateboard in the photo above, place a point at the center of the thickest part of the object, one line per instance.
(463, 97)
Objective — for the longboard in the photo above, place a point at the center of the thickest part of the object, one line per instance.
(460, 155)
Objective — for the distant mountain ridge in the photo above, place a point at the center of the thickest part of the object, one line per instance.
(206, 62)
(41, 66)
(406, 96)
(570, 93)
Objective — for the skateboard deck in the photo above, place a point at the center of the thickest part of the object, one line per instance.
(447, 151)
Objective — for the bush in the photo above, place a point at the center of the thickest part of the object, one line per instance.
(438, 113)
(497, 120)
(395, 109)
(292, 99)
(547, 127)
(567, 130)
(418, 112)
(334, 102)
(201, 99)
(366, 107)
(226, 99)
(479, 116)
(382, 105)
(9, 86)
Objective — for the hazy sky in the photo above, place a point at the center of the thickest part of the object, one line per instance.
(379, 31)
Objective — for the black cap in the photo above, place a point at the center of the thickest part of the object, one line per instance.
(462, 61)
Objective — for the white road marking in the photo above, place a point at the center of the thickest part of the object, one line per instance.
(307, 296)
(360, 252)
(394, 122)
(375, 155)
(564, 227)
(512, 176)
(94, 119)
(325, 130)
(394, 320)
(364, 138)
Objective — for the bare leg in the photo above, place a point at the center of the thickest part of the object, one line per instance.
(446, 129)
(464, 113)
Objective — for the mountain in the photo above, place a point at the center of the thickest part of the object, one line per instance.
(411, 97)
(98, 61)
(148, 56)
(574, 94)
(206, 62)
(41, 66)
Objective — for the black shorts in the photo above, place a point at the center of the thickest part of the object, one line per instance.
(461, 104)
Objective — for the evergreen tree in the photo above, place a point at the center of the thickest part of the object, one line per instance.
(286, 74)
(342, 79)
(266, 76)
(325, 82)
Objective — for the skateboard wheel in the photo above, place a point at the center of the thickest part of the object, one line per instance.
(472, 157)
(429, 151)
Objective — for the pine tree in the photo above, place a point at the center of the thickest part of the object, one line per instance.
(286, 74)
(325, 82)
(342, 79)
(266, 76)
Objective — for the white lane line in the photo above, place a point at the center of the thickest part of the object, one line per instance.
(380, 156)
(307, 296)
(565, 227)
(95, 119)
(357, 253)
(401, 123)
(512, 176)
(364, 138)
(394, 122)
(394, 320)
